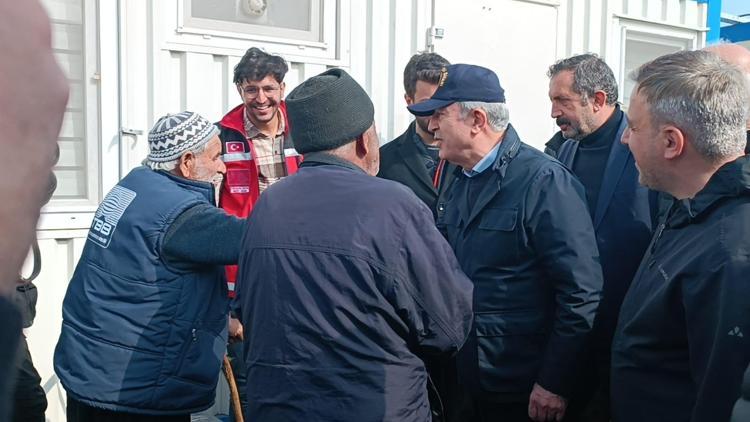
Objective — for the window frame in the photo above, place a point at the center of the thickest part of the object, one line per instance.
(326, 49)
(100, 169)
(635, 29)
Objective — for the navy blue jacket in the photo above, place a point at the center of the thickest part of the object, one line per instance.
(140, 334)
(623, 219)
(683, 337)
(528, 246)
(345, 283)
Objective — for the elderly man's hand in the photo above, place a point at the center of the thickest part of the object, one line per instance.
(235, 329)
(545, 405)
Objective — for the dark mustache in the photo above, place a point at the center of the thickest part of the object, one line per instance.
(562, 121)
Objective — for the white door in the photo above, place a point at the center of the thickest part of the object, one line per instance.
(515, 38)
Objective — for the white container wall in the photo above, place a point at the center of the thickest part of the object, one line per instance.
(131, 61)
(520, 39)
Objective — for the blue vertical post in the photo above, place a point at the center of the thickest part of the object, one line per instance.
(713, 21)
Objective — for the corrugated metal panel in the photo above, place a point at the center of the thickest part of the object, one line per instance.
(380, 39)
(552, 30)
(590, 24)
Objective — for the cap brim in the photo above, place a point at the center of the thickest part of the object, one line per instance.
(426, 108)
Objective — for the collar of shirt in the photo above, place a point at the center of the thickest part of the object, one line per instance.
(485, 162)
(252, 132)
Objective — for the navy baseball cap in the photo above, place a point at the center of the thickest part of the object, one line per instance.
(462, 82)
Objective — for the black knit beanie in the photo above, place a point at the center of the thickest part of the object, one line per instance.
(328, 111)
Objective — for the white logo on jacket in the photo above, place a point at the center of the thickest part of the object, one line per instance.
(108, 215)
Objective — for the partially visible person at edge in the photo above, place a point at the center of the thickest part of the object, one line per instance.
(518, 222)
(412, 158)
(740, 57)
(583, 93)
(29, 398)
(145, 315)
(682, 340)
(258, 152)
(345, 284)
(33, 96)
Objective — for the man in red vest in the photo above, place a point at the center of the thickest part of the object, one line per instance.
(255, 136)
(257, 151)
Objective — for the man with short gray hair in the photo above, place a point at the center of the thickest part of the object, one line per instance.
(583, 94)
(683, 336)
(518, 223)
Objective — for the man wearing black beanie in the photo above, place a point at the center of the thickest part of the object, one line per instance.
(345, 284)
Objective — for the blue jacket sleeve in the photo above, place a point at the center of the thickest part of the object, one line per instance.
(431, 293)
(563, 234)
(203, 235)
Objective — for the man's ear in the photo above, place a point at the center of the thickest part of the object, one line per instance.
(599, 99)
(674, 142)
(186, 164)
(282, 88)
(479, 120)
(362, 146)
(409, 100)
(239, 89)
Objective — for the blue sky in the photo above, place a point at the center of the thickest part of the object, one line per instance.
(735, 7)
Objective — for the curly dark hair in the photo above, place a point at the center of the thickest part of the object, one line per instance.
(423, 67)
(256, 64)
(590, 74)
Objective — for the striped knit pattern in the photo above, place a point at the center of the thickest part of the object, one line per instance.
(174, 134)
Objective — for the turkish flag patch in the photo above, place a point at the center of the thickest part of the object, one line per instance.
(235, 146)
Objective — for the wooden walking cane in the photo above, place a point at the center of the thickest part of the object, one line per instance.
(235, 394)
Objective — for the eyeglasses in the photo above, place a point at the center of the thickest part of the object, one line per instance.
(252, 92)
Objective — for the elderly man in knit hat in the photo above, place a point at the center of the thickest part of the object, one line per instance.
(344, 282)
(145, 314)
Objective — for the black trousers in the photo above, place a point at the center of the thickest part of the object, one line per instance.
(80, 412)
(487, 411)
(29, 400)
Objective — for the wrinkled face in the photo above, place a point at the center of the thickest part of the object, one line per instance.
(261, 98)
(423, 92)
(208, 165)
(453, 133)
(574, 119)
(642, 139)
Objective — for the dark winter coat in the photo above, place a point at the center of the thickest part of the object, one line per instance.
(683, 336)
(344, 283)
(528, 246)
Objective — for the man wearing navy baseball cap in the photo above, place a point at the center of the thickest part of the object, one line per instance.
(518, 223)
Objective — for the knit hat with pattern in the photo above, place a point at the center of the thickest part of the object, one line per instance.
(175, 134)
